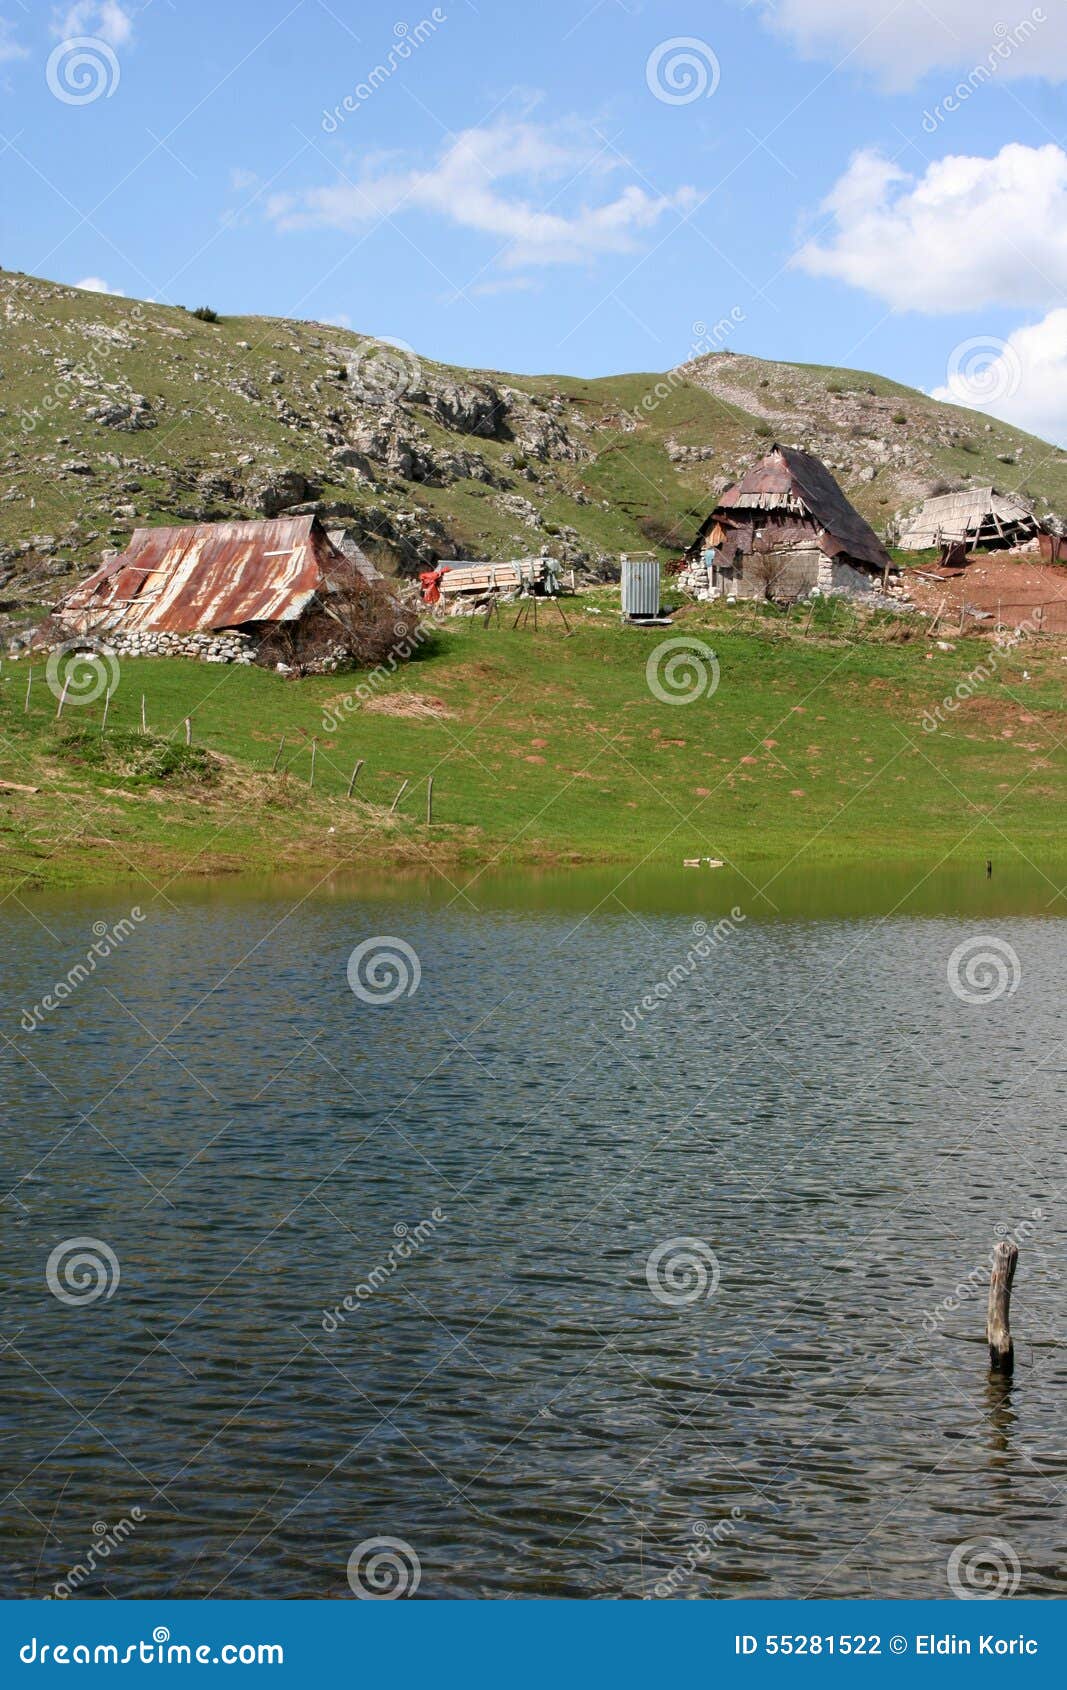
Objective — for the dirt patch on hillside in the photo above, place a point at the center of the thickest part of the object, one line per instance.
(1001, 584)
(409, 704)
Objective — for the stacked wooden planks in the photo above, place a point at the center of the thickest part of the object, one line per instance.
(524, 574)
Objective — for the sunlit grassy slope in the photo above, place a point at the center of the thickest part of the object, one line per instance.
(545, 748)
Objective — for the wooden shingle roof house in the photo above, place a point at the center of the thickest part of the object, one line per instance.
(784, 529)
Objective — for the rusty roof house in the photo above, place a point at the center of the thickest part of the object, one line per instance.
(784, 530)
(283, 584)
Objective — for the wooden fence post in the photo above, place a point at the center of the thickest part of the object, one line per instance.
(998, 1317)
(429, 802)
(29, 683)
(188, 731)
(107, 707)
(62, 698)
(144, 719)
(355, 773)
(398, 797)
(314, 752)
(278, 755)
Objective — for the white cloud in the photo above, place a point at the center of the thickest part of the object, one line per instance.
(903, 42)
(105, 19)
(1022, 380)
(502, 181)
(97, 284)
(10, 49)
(970, 232)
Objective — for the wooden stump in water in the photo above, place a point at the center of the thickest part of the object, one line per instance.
(998, 1318)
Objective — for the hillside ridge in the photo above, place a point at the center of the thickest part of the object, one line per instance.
(116, 413)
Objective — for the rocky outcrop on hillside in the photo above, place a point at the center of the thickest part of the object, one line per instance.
(300, 419)
(874, 436)
(115, 413)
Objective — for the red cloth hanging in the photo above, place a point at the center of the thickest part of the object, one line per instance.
(431, 585)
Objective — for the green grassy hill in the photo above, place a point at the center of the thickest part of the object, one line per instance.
(115, 413)
(548, 750)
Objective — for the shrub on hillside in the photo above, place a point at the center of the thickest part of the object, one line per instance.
(665, 534)
(361, 616)
(142, 759)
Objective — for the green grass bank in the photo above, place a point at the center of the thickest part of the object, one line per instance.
(548, 750)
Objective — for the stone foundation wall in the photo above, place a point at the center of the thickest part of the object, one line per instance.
(791, 572)
(206, 648)
(228, 647)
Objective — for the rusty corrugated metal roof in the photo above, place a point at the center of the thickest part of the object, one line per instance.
(207, 576)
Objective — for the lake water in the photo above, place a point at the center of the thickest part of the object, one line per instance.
(663, 1231)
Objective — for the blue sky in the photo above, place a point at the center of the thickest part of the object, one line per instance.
(566, 187)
